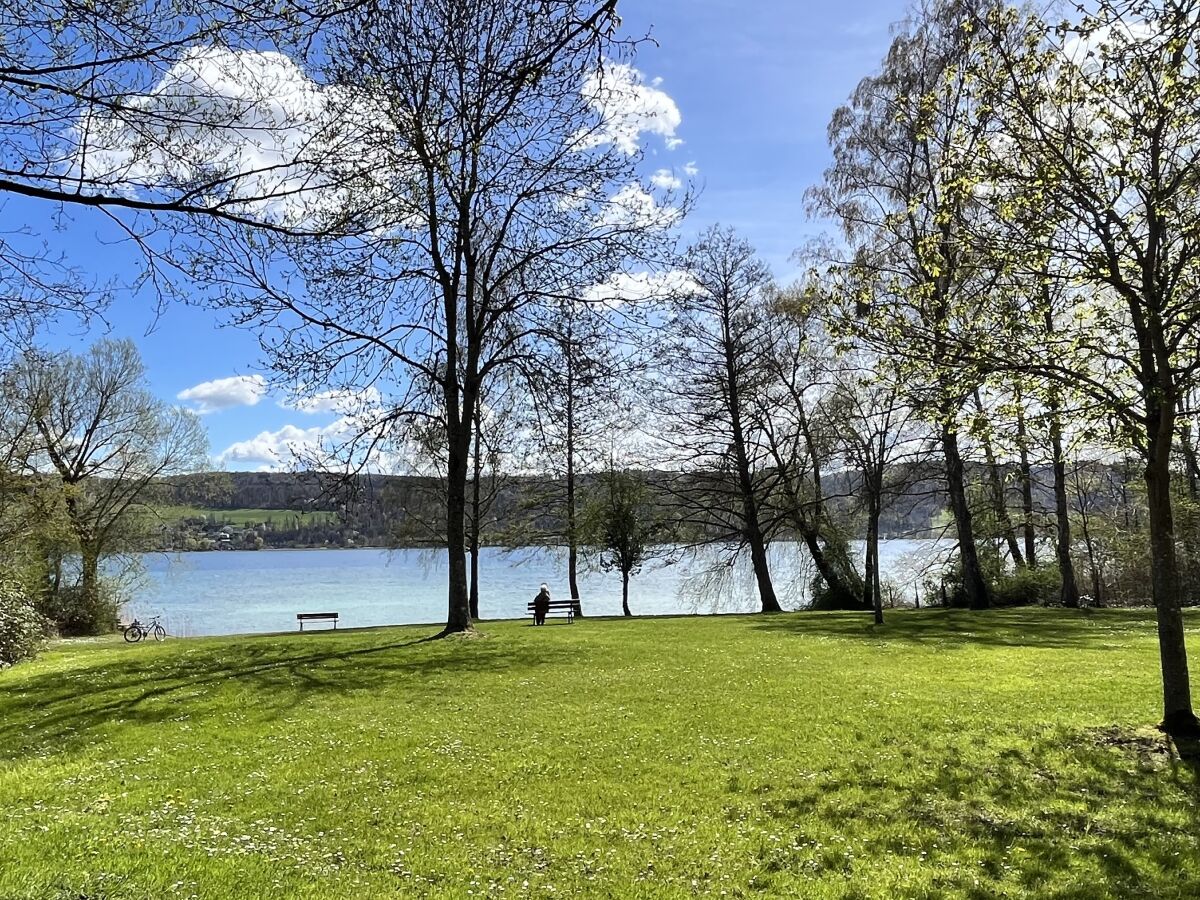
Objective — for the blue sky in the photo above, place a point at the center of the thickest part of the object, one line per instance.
(755, 83)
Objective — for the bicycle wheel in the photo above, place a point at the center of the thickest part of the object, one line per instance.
(160, 633)
(133, 633)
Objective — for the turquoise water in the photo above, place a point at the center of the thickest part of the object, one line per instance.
(241, 591)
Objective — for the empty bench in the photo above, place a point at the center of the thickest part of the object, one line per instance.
(318, 617)
(557, 607)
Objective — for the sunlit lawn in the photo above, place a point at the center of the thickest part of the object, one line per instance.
(947, 754)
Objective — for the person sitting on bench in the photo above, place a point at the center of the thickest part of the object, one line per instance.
(541, 605)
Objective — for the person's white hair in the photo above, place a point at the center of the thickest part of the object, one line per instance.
(545, 587)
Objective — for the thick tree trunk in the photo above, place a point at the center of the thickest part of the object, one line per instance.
(1066, 568)
(625, 594)
(751, 527)
(89, 577)
(458, 615)
(758, 556)
(1178, 717)
(999, 505)
(973, 584)
(1026, 475)
(842, 593)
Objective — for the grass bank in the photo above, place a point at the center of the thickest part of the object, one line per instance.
(1002, 754)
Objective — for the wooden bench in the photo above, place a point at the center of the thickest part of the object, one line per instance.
(560, 607)
(302, 617)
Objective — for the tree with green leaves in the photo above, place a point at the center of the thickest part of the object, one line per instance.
(1092, 173)
(897, 189)
(620, 524)
(94, 428)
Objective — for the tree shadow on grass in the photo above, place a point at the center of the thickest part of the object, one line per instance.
(1105, 812)
(260, 677)
(1085, 629)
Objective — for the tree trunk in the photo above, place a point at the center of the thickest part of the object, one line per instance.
(572, 521)
(625, 593)
(1066, 568)
(843, 595)
(89, 577)
(751, 527)
(973, 583)
(1178, 717)
(477, 468)
(458, 615)
(1026, 485)
(999, 506)
(873, 552)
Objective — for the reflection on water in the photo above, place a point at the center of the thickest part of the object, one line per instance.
(239, 592)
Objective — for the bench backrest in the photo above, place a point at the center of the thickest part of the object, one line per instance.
(316, 615)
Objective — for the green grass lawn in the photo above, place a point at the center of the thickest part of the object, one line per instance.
(1002, 754)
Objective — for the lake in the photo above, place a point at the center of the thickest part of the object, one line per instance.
(237, 592)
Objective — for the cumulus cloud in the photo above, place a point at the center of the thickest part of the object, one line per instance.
(665, 179)
(225, 393)
(628, 108)
(250, 124)
(273, 449)
(634, 287)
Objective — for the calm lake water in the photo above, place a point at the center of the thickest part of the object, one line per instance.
(243, 591)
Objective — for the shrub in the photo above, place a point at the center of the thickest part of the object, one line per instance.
(1024, 587)
(73, 615)
(23, 630)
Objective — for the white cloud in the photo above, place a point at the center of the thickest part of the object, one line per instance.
(250, 123)
(691, 170)
(634, 207)
(341, 401)
(225, 393)
(634, 287)
(275, 449)
(665, 179)
(629, 108)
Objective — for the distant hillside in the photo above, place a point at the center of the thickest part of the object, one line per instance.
(275, 509)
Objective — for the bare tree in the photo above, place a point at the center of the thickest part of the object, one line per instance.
(711, 355)
(800, 435)
(874, 437)
(499, 180)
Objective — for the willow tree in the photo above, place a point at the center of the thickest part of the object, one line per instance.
(1094, 167)
(897, 188)
(504, 165)
(92, 424)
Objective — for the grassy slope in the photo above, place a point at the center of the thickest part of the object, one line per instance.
(245, 517)
(950, 754)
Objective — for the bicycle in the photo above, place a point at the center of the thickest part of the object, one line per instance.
(136, 631)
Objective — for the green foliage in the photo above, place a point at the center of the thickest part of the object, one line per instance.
(22, 629)
(619, 521)
(73, 614)
(826, 597)
(947, 754)
(1041, 585)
